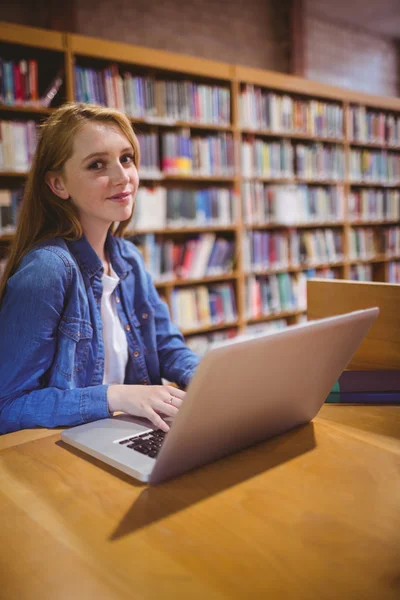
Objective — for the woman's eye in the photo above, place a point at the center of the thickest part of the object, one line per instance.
(127, 158)
(96, 165)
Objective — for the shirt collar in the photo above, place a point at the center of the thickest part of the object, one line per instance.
(91, 264)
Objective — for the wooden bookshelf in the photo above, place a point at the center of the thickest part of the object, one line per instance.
(75, 50)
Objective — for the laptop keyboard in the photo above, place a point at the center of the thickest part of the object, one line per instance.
(148, 443)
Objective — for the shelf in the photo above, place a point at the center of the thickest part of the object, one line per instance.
(373, 184)
(292, 269)
(209, 329)
(374, 223)
(25, 109)
(13, 173)
(376, 145)
(189, 282)
(298, 180)
(275, 316)
(382, 258)
(291, 135)
(183, 229)
(171, 123)
(186, 177)
(310, 225)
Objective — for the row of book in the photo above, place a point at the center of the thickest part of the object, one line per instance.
(156, 100)
(280, 113)
(19, 82)
(316, 247)
(194, 258)
(363, 243)
(374, 166)
(392, 241)
(264, 250)
(361, 272)
(282, 159)
(374, 205)
(159, 208)
(203, 343)
(318, 161)
(268, 295)
(394, 272)
(200, 155)
(202, 306)
(10, 202)
(370, 126)
(291, 204)
(367, 387)
(17, 145)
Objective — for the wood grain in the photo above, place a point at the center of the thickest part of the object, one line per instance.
(311, 514)
(381, 346)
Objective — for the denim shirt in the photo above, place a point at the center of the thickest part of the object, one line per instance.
(51, 342)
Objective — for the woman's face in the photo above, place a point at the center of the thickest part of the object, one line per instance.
(100, 177)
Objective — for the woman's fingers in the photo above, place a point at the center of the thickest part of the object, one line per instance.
(166, 407)
(176, 392)
(156, 420)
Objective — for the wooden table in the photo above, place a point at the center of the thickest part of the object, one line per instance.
(313, 514)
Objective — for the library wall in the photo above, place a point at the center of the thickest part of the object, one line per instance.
(256, 36)
(349, 57)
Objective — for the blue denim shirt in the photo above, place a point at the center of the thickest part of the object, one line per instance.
(51, 342)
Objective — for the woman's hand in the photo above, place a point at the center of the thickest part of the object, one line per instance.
(146, 401)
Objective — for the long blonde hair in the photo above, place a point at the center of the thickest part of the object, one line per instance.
(43, 214)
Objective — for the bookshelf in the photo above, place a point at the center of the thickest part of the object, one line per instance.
(251, 181)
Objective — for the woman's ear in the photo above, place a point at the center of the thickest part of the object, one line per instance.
(56, 184)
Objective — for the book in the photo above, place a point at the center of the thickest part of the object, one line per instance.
(364, 397)
(368, 381)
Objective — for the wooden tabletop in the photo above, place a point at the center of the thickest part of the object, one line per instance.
(312, 514)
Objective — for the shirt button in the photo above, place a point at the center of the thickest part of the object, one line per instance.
(117, 300)
(136, 354)
(79, 334)
(144, 382)
(128, 327)
(145, 316)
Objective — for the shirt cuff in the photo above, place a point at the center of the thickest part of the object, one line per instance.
(94, 405)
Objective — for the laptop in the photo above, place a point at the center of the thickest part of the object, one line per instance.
(241, 394)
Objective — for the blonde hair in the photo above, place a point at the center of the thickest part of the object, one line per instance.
(43, 214)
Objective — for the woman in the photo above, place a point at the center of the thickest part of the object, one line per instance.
(83, 331)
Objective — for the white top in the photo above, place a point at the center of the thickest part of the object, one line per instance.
(115, 342)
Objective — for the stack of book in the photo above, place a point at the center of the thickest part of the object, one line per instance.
(320, 162)
(159, 208)
(10, 202)
(362, 244)
(361, 273)
(280, 113)
(291, 204)
(197, 155)
(272, 160)
(17, 145)
(373, 127)
(374, 205)
(394, 272)
(375, 166)
(202, 306)
(313, 248)
(392, 241)
(367, 387)
(153, 99)
(264, 250)
(194, 258)
(271, 294)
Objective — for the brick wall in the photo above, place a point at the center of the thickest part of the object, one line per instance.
(254, 33)
(345, 56)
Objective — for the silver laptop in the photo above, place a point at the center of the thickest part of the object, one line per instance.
(240, 394)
